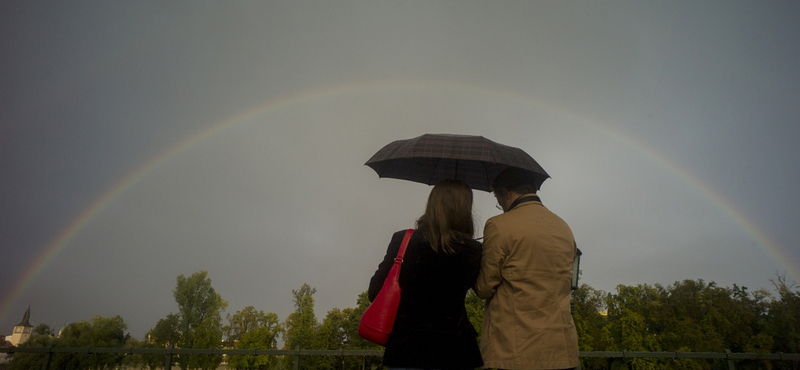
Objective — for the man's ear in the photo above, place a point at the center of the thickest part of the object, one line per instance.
(505, 193)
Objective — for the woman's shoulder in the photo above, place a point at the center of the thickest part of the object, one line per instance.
(473, 244)
(399, 235)
(468, 246)
(416, 238)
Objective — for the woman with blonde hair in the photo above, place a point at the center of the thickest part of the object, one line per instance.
(442, 260)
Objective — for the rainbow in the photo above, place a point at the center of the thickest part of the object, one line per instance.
(59, 241)
(779, 254)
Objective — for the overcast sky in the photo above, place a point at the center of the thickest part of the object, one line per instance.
(144, 140)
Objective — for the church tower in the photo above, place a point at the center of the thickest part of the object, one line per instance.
(23, 330)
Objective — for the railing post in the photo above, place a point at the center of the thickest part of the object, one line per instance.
(48, 359)
(168, 362)
(731, 365)
(297, 359)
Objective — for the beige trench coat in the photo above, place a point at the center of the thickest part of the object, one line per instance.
(525, 275)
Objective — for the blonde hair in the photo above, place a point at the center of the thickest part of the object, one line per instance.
(448, 215)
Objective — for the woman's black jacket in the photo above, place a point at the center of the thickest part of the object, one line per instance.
(432, 329)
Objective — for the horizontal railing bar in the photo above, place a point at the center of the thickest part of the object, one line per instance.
(642, 354)
(202, 351)
(377, 353)
(709, 355)
(757, 356)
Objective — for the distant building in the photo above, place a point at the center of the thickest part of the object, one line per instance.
(4, 356)
(23, 330)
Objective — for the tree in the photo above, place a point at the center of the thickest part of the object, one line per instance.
(165, 334)
(301, 324)
(332, 334)
(199, 319)
(588, 308)
(251, 329)
(686, 325)
(689, 316)
(96, 332)
(784, 317)
(475, 307)
(354, 341)
(26, 361)
(630, 325)
(43, 329)
(246, 320)
(150, 361)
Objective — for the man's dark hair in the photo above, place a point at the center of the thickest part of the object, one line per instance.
(516, 180)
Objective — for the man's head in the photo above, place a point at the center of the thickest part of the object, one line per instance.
(512, 183)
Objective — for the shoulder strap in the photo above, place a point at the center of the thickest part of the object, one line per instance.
(402, 251)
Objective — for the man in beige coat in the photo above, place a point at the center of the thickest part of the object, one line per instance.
(526, 268)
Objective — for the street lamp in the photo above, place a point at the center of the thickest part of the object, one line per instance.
(576, 269)
(576, 265)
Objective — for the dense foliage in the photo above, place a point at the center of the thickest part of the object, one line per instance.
(96, 332)
(252, 329)
(687, 316)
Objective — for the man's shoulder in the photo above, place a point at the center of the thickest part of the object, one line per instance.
(522, 217)
(506, 217)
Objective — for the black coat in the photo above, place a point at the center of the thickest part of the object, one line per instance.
(432, 329)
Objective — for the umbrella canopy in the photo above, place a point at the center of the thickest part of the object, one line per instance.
(431, 158)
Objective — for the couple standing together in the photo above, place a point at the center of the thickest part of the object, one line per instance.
(522, 270)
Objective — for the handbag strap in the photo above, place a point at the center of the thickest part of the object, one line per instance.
(402, 251)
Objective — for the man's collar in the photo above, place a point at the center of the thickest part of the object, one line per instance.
(531, 197)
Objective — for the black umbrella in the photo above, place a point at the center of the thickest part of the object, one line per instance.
(431, 158)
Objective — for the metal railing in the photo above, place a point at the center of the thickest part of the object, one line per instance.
(730, 357)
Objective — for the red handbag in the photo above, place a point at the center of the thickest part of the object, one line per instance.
(378, 320)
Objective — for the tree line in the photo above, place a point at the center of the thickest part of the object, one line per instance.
(688, 316)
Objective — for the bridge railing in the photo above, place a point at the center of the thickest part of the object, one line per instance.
(48, 352)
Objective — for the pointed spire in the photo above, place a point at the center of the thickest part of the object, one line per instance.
(26, 318)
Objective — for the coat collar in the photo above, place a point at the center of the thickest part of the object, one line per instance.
(530, 197)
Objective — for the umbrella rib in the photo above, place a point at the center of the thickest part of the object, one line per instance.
(433, 173)
(486, 173)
